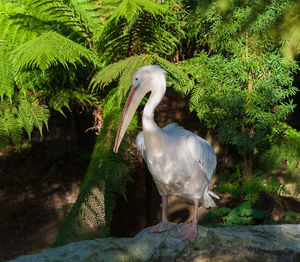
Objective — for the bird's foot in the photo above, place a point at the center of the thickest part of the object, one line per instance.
(188, 231)
(161, 227)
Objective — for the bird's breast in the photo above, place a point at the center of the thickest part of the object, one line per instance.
(173, 169)
(171, 173)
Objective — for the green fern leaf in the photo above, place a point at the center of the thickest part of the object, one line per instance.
(80, 15)
(12, 125)
(6, 76)
(62, 98)
(4, 132)
(32, 113)
(124, 69)
(130, 9)
(48, 50)
(17, 26)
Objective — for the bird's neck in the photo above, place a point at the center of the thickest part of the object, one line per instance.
(152, 133)
(148, 115)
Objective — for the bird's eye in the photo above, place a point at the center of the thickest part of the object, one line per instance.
(136, 79)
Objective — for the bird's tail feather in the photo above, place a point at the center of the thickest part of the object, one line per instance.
(213, 194)
(207, 200)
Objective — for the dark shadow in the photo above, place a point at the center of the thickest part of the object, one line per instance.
(40, 182)
(180, 216)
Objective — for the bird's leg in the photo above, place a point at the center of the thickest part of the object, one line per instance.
(190, 230)
(164, 224)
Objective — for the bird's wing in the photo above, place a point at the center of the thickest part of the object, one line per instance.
(199, 148)
(140, 143)
(176, 129)
(172, 128)
(202, 151)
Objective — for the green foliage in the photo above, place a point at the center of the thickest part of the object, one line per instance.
(239, 216)
(45, 51)
(37, 37)
(239, 83)
(25, 114)
(221, 96)
(47, 56)
(124, 69)
(288, 150)
(140, 27)
(107, 175)
(107, 172)
(291, 29)
(17, 26)
(62, 98)
(227, 25)
(291, 217)
(132, 9)
(22, 20)
(241, 105)
(6, 76)
(18, 111)
(249, 189)
(243, 83)
(80, 16)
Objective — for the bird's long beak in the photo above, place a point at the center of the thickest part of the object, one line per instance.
(135, 97)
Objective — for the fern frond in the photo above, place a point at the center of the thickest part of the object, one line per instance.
(30, 81)
(22, 21)
(115, 71)
(11, 125)
(130, 9)
(124, 69)
(80, 15)
(87, 12)
(48, 50)
(62, 98)
(4, 132)
(183, 83)
(112, 41)
(142, 31)
(32, 113)
(17, 29)
(24, 113)
(6, 76)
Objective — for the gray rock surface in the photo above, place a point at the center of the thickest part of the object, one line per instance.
(245, 243)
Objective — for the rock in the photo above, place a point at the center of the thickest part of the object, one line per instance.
(240, 243)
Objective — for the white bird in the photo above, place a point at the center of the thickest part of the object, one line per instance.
(181, 163)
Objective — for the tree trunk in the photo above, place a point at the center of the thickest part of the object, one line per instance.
(248, 164)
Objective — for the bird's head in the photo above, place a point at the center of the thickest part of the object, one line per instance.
(150, 77)
(145, 79)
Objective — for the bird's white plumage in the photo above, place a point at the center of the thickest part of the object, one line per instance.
(140, 143)
(200, 161)
(180, 162)
(202, 151)
(199, 148)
